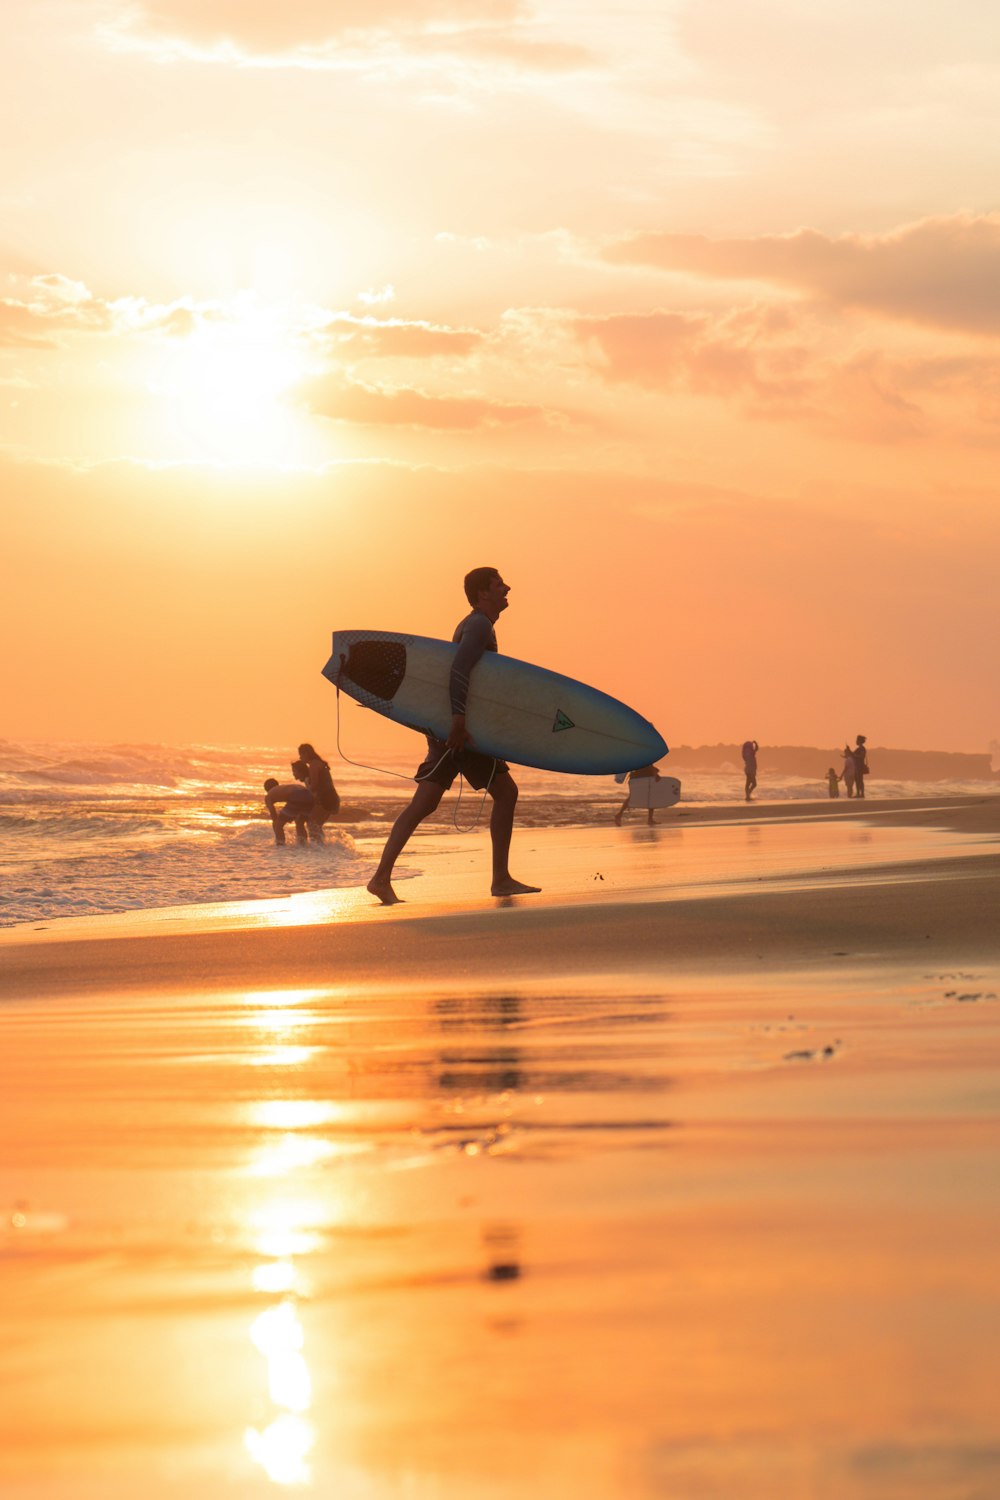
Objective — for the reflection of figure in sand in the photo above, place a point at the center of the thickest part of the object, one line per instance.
(446, 759)
(490, 1069)
(637, 776)
(750, 748)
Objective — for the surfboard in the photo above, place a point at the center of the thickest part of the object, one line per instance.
(515, 711)
(647, 791)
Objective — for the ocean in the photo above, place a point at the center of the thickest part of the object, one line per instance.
(94, 829)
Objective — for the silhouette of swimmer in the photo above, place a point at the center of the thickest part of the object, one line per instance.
(291, 803)
(326, 799)
(750, 748)
(847, 773)
(860, 757)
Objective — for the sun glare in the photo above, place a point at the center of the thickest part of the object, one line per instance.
(225, 388)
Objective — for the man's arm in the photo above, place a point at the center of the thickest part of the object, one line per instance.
(475, 639)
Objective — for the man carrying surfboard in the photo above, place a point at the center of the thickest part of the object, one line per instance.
(487, 593)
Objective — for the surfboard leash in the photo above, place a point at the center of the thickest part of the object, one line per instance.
(385, 771)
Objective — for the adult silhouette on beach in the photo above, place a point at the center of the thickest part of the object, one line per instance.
(860, 757)
(847, 772)
(446, 759)
(639, 775)
(750, 748)
(326, 799)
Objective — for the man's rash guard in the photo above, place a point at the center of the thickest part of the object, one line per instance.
(474, 634)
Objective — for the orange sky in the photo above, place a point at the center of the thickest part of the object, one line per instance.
(683, 313)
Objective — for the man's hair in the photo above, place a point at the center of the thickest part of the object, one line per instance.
(269, 783)
(299, 768)
(477, 580)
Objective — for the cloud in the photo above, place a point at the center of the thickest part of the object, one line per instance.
(742, 353)
(49, 305)
(349, 401)
(342, 33)
(941, 272)
(397, 339)
(511, 45)
(266, 27)
(777, 368)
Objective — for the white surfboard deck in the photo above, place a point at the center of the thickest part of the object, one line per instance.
(646, 791)
(515, 711)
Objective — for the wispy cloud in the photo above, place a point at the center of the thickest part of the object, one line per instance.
(775, 364)
(345, 34)
(750, 351)
(344, 400)
(47, 306)
(942, 272)
(395, 338)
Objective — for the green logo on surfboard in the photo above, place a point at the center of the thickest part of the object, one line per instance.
(562, 722)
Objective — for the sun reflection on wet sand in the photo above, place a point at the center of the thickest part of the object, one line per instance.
(280, 1005)
(281, 1447)
(282, 1057)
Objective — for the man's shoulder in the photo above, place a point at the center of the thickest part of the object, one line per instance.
(475, 625)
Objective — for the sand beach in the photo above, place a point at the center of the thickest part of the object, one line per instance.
(678, 1180)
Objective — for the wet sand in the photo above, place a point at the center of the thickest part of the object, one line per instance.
(680, 1180)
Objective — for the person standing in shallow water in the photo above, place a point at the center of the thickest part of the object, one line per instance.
(326, 799)
(487, 594)
(860, 757)
(750, 748)
(847, 771)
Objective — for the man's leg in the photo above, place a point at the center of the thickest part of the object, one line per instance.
(503, 790)
(423, 802)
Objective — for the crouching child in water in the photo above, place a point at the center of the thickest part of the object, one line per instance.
(291, 803)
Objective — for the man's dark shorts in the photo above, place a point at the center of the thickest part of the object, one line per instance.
(443, 765)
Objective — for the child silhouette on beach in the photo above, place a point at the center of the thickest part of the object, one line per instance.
(296, 803)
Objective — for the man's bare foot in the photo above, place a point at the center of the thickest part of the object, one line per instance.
(383, 890)
(618, 819)
(511, 887)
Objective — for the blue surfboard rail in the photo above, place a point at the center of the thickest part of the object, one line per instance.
(516, 711)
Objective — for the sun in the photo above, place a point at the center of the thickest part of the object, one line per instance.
(224, 390)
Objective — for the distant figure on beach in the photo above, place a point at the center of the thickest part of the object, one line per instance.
(292, 802)
(487, 594)
(637, 776)
(860, 757)
(833, 782)
(326, 800)
(750, 748)
(847, 773)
